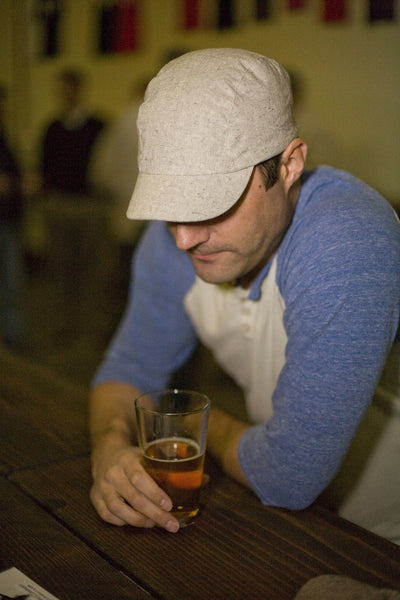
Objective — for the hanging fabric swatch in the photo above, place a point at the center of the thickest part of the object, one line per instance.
(381, 9)
(118, 27)
(107, 27)
(191, 14)
(334, 10)
(293, 4)
(263, 9)
(48, 12)
(126, 26)
(226, 14)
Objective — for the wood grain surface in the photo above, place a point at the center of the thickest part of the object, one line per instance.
(236, 547)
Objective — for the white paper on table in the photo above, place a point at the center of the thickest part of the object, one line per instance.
(14, 584)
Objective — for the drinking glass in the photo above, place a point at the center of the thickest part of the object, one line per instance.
(172, 431)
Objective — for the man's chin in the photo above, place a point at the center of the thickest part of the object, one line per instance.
(214, 277)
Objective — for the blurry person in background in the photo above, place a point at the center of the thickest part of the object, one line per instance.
(75, 221)
(11, 255)
(69, 138)
(113, 172)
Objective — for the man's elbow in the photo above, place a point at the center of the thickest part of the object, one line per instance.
(291, 499)
(297, 503)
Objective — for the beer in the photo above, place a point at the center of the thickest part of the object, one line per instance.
(176, 465)
(172, 431)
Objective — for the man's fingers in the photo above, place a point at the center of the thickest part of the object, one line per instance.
(115, 511)
(128, 495)
(140, 480)
(102, 509)
(145, 497)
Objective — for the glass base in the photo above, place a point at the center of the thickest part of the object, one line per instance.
(185, 518)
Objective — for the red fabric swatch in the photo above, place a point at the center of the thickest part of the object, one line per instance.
(126, 26)
(334, 10)
(191, 14)
(296, 3)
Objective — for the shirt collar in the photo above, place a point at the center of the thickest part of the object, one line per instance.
(255, 288)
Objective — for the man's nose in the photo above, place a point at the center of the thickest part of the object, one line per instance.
(189, 235)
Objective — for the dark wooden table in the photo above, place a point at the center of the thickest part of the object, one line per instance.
(52, 556)
(42, 415)
(236, 549)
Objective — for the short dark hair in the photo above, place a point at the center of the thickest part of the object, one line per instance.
(269, 170)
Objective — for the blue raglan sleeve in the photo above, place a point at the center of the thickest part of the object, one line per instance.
(340, 278)
(155, 335)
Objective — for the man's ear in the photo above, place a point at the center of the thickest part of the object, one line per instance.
(293, 161)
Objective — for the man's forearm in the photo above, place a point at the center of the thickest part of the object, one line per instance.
(224, 433)
(112, 412)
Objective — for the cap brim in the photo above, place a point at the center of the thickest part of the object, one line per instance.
(187, 198)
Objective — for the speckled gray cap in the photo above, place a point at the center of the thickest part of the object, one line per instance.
(207, 118)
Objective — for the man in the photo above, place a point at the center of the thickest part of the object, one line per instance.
(76, 223)
(291, 278)
(69, 139)
(12, 322)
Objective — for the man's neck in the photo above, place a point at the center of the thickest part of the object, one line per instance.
(75, 117)
(248, 278)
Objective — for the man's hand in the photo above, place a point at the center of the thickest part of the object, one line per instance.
(123, 493)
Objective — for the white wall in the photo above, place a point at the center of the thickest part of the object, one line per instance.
(351, 71)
